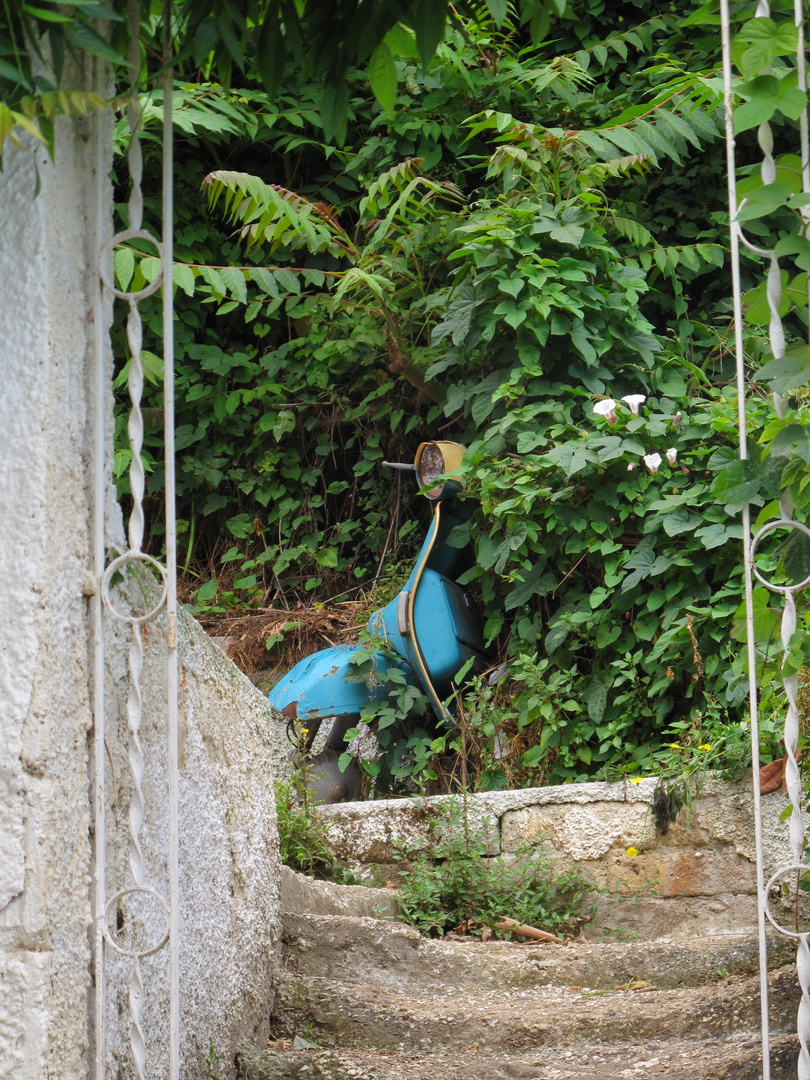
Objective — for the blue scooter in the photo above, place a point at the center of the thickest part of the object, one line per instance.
(431, 630)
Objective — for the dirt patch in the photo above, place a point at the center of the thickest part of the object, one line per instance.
(302, 631)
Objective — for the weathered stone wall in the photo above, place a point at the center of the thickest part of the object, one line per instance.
(228, 845)
(698, 879)
(228, 842)
(45, 716)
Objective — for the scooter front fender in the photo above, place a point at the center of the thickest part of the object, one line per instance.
(320, 686)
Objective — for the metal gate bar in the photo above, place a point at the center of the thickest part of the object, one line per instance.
(791, 726)
(105, 905)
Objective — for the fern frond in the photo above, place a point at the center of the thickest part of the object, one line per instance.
(355, 280)
(274, 215)
(632, 230)
(389, 184)
(407, 208)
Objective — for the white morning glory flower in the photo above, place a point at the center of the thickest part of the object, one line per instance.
(633, 401)
(606, 408)
(672, 455)
(652, 461)
(631, 466)
(676, 419)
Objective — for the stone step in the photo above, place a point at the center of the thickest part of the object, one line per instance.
(731, 1057)
(362, 998)
(358, 1015)
(346, 949)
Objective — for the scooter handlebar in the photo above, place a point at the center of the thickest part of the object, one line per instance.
(399, 465)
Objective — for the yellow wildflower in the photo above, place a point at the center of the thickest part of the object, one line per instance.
(636, 779)
(632, 852)
(674, 746)
(705, 746)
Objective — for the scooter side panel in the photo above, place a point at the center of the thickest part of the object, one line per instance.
(319, 685)
(449, 629)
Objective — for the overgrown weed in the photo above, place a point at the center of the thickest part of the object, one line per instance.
(453, 881)
(302, 839)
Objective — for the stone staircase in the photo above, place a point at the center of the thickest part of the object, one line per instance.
(362, 998)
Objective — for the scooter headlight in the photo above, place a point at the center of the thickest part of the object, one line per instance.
(436, 459)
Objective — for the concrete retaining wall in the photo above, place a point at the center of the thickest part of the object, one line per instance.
(698, 879)
(229, 863)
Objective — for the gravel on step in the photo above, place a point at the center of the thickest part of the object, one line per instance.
(732, 1057)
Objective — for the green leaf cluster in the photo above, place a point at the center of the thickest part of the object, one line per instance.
(454, 879)
(535, 228)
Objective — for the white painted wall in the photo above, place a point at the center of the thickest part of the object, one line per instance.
(45, 719)
(229, 860)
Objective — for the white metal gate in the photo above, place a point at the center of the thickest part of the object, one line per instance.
(162, 893)
(765, 140)
(165, 893)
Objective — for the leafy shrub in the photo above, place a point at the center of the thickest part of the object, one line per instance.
(490, 261)
(303, 845)
(452, 879)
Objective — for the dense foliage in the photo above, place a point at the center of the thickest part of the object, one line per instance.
(323, 39)
(527, 228)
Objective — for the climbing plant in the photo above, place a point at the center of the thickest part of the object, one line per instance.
(485, 233)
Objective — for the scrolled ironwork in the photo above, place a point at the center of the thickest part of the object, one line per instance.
(105, 261)
(135, 555)
(115, 567)
(766, 530)
(112, 904)
(776, 335)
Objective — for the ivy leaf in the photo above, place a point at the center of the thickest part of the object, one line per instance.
(598, 596)
(788, 371)
(557, 635)
(645, 627)
(595, 695)
(285, 422)
(766, 619)
(457, 317)
(713, 535)
(382, 74)
(207, 592)
(793, 438)
(738, 483)
(640, 563)
(761, 105)
(760, 42)
(327, 557)
(797, 556)
(743, 481)
(537, 582)
(568, 234)
(763, 201)
(679, 522)
(757, 310)
(792, 103)
(429, 18)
